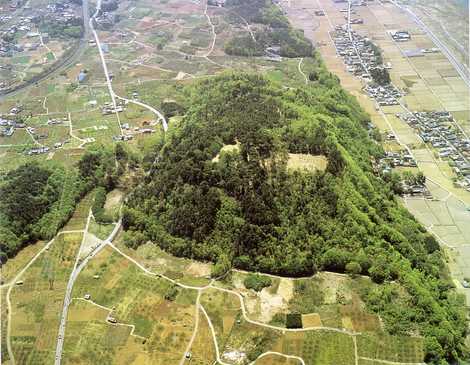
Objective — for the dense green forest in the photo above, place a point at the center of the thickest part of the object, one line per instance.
(275, 31)
(248, 211)
(38, 199)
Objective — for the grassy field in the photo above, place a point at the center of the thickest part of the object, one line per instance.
(298, 161)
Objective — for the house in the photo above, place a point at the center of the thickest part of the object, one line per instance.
(7, 132)
(400, 35)
(81, 76)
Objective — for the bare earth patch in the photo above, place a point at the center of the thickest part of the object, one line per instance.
(113, 200)
(90, 242)
(311, 320)
(198, 269)
(300, 161)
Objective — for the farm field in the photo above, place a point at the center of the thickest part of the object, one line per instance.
(339, 308)
(37, 296)
(447, 20)
(35, 322)
(150, 329)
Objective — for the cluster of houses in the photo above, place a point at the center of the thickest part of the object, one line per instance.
(357, 52)
(384, 95)
(108, 108)
(413, 186)
(396, 159)
(361, 57)
(8, 126)
(106, 19)
(8, 45)
(18, 34)
(442, 132)
(132, 131)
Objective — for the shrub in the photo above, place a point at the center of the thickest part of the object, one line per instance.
(353, 268)
(171, 293)
(257, 282)
(294, 320)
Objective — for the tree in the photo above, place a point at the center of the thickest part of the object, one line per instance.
(293, 320)
(380, 75)
(222, 266)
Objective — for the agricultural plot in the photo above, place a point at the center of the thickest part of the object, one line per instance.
(390, 348)
(12, 267)
(3, 324)
(447, 218)
(203, 350)
(36, 303)
(79, 217)
(154, 319)
(224, 311)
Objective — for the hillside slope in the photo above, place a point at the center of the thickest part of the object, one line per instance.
(246, 209)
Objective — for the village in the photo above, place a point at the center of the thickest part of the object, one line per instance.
(441, 131)
(13, 121)
(35, 37)
(364, 60)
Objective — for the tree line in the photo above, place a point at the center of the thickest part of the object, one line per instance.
(37, 199)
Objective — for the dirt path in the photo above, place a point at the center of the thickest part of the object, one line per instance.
(391, 362)
(196, 327)
(299, 67)
(110, 310)
(73, 135)
(214, 35)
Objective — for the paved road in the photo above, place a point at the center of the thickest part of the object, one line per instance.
(79, 265)
(159, 115)
(113, 95)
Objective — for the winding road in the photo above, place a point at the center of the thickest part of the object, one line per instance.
(113, 95)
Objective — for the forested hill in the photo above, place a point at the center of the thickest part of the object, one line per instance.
(249, 207)
(243, 207)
